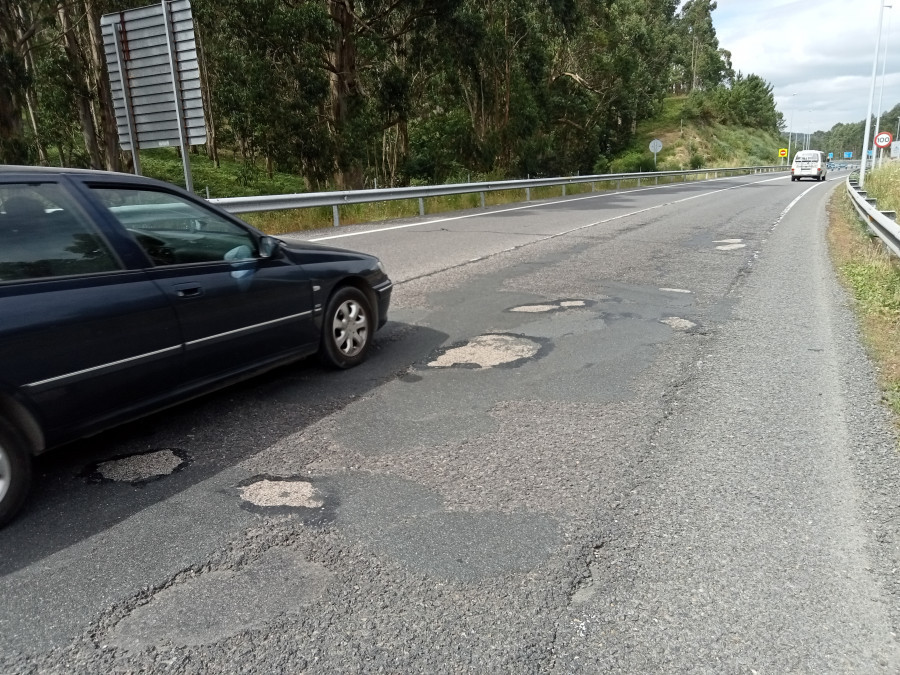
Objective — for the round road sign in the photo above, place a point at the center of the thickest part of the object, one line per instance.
(655, 145)
(883, 139)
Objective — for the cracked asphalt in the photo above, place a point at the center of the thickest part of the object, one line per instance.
(622, 432)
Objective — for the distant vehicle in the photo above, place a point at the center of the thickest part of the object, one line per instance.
(809, 163)
(122, 295)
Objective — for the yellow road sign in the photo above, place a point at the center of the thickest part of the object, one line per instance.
(782, 152)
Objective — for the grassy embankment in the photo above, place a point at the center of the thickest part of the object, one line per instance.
(685, 145)
(872, 275)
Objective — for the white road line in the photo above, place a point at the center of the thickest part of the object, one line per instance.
(794, 203)
(534, 206)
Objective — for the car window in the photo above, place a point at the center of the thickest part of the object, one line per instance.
(44, 234)
(175, 231)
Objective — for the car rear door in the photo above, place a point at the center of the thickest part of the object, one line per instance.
(237, 310)
(85, 337)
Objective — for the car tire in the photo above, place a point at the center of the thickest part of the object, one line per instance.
(15, 471)
(347, 328)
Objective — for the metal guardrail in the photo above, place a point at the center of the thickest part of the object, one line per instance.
(882, 223)
(339, 198)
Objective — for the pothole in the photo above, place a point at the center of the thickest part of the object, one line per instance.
(678, 323)
(488, 351)
(285, 492)
(139, 468)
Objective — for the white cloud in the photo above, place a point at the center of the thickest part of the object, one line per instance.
(822, 51)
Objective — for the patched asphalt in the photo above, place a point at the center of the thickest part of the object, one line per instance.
(675, 461)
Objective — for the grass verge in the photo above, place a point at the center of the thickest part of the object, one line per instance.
(872, 275)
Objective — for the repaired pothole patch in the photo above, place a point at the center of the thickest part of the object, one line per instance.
(139, 468)
(216, 605)
(534, 309)
(292, 493)
(550, 307)
(488, 351)
(678, 323)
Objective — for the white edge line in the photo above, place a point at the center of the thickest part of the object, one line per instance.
(539, 204)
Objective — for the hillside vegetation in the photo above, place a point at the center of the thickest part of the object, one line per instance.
(689, 141)
(347, 94)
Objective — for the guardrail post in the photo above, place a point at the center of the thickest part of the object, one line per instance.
(715, 174)
(528, 194)
(564, 189)
(482, 200)
(421, 207)
(336, 215)
(657, 180)
(593, 186)
(618, 185)
(639, 181)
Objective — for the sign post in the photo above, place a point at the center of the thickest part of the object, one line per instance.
(655, 147)
(151, 56)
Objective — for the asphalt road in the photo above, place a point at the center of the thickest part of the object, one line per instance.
(628, 433)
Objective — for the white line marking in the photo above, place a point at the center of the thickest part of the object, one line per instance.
(534, 206)
(730, 247)
(793, 204)
(674, 290)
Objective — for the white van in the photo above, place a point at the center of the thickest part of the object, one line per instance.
(809, 163)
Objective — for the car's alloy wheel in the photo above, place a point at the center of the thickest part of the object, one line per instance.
(347, 328)
(15, 472)
(350, 328)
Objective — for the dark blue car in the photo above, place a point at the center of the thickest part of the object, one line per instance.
(121, 295)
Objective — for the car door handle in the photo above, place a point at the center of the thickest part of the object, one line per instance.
(188, 290)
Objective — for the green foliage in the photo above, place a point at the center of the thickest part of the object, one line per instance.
(632, 162)
(747, 101)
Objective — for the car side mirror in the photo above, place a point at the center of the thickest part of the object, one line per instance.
(267, 246)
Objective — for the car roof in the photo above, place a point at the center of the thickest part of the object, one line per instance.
(24, 168)
(9, 170)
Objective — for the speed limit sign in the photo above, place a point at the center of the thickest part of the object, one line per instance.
(884, 139)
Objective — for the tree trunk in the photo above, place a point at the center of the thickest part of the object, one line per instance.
(31, 99)
(212, 150)
(344, 86)
(13, 85)
(82, 97)
(102, 90)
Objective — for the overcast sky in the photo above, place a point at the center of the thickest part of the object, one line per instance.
(821, 50)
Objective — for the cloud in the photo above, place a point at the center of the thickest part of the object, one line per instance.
(821, 51)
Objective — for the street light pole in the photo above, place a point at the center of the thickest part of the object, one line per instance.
(791, 129)
(881, 95)
(867, 135)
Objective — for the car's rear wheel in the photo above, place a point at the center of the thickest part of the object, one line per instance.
(347, 328)
(15, 471)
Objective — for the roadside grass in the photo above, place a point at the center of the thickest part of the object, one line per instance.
(884, 185)
(872, 274)
(298, 220)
